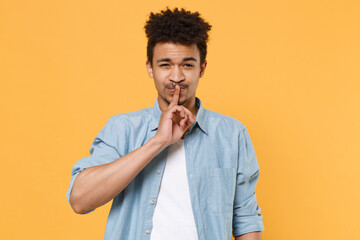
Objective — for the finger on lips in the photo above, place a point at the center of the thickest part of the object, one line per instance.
(187, 117)
(175, 99)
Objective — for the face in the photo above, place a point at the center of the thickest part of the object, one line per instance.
(176, 64)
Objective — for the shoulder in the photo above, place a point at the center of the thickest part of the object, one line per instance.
(126, 124)
(215, 119)
(132, 118)
(126, 130)
(228, 127)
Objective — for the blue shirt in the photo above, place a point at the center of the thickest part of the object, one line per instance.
(222, 172)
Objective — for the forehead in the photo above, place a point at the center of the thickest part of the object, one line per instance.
(175, 51)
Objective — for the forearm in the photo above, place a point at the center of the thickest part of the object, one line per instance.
(95, 186)
(249, 236)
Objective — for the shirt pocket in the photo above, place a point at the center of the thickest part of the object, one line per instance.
(218, 189)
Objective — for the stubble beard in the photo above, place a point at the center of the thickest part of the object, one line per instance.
(179, 103)
(182, 86)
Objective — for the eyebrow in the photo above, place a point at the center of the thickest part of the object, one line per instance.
(189, 59)
(169, 60)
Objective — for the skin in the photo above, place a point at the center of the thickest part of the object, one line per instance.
(249, 236)
(176, 70)
(176, 65)
(98, 185)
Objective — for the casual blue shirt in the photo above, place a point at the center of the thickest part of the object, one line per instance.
(222, 172)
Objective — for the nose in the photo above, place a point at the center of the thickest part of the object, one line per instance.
(177, 75)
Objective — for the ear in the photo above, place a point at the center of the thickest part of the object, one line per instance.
(202, 68)
(149, 69)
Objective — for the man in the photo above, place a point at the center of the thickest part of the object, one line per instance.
(176, 170)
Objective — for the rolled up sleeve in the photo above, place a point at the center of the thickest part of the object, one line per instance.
(246, 212)
(103, 150)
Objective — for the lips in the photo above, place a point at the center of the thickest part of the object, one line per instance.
(172, 90)
(181, 88)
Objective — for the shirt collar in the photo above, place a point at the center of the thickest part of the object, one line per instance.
(199, 121)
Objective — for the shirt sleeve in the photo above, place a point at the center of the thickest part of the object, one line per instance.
(103, 150)
(246, 213)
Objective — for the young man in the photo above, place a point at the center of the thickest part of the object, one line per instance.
(176, 170)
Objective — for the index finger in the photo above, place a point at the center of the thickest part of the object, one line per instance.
(175, 98)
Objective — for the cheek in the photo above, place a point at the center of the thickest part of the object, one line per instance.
(193, 75)
(160, 77)
(194, 79)
(159, 86)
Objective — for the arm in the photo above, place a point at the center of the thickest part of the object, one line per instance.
(247, 219)
(97, 185)
(249, 236)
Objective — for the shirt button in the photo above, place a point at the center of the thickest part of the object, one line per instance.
(152, 202)
(158, 171)
(147, 231)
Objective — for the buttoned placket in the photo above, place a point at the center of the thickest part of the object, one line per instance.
(157, 177)
(190, 174)
(192, 182)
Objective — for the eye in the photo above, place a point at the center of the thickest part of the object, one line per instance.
(188, 65)
(164, 65)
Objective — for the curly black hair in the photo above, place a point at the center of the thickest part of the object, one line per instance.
(177, 26)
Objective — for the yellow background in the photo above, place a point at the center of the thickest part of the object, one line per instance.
(288, 70)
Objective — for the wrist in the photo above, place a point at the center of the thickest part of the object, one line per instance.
(158, 143)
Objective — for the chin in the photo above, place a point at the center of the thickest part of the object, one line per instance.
(168, 101)
(182, 102)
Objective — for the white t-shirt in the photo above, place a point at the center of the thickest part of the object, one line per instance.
(173, 217)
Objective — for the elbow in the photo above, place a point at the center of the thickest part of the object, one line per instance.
(78, 209)
(77, 206)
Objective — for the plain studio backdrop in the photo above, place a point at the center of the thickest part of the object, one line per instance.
(288, 70)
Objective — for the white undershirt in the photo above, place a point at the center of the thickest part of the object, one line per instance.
(173, 217)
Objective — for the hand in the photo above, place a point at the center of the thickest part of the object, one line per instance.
(175, 121)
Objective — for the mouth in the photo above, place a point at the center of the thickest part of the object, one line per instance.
(171, 86)
(172, 90)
